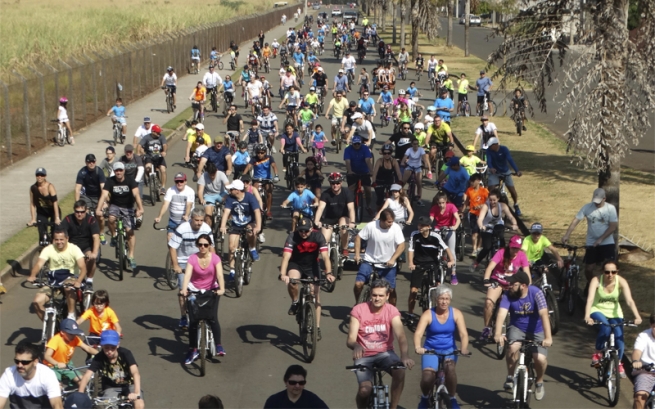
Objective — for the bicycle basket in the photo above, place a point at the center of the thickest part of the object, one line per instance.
(202, 308)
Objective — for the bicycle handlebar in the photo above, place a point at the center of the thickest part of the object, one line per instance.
(360, 367)
(527, 342)
(36, 223)
(619, 324)
(307, 280)
(154, 226)
(456, 352)
(568, 247)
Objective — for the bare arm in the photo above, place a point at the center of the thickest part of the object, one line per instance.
(399, 333)
(627, 294)
(461, 329)
(572, 226)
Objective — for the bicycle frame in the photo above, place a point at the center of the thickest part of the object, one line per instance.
(524, 375)
(379, 398)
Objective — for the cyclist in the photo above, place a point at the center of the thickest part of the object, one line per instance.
(361, 127)
(60, 349)
(457, 183)
(229, 90)
(373, 327)
(412, 91)
(290, 144)
(44, 204)
(367, 105)
(263, 167)
(422, 252)
(419, 62)
(235, 50)
(450, 87)
(101, 317)
(244, 78)
(484, 133)
(88, 187)
(643, 354)
(107, 164)
(255, 91)
(445, 215)
(439, 137)
(214, 57)
(470, 162)
(133, 169)
(219, 155)
(204, 272)
(385, 173)
(414, 158)
(253, 61)
(195, 56)
(292, 99)
(211, 190)
(197, 143)
(295, 394)
(528, 320)
(321, 80)
(266, 54)
(241, 158)
(268, 124)
(359, 164)
(119, 115)
(108, 363)
(340, 84)
(428, 119)
(604, 306)
(534, 246)
(519, 104)
(306, 117)
(444, 105)
(181, 246)
(403, 58)
(299, 61)
(483, 85)
(244, 211)
(179, 200)
(349, 64)
(63, 260)
(169, 83)
(142, 130)
(499, 159)
(251, 138)
(340, 104)
(153, 146)
(474, 198)
(301, 201)
(462, 91)
(122, 194)
(335, 207)
(234, 123)
(311, 100)
(313, 175)
(213, 82)
(29, 383)
(432, 66)
(83, 232)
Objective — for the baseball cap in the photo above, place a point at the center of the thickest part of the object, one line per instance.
(320, 69)
(180, 176)
(470, 147)
(356, 115)
(483, 72)
(515, 242)
(78, 400)
(357, 139)
(200, 126)
(41, 171)
(395, 187)
(69, 326)
(599, 195)
(110, 148)
(536, 228)
(146, 119)
(109, 337)
(449, 154)
(424, 220)
(519, 277)
(453, 161)
(129, 148)
(90, 158)
(484, 118)
(219, 138)
(312, 88)
(340, 71)
(304, 225)
(492, 141)
(236, 184)
(119, 165)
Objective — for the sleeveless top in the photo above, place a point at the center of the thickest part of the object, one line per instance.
(386, 176)
(440, 336)
(607, 304)
(313, 181)
(490, 219)
(290, 144)
(45, 205)
(398, 209)
(253, 136)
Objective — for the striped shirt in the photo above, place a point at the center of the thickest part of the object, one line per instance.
(178, 200)
(184, 240)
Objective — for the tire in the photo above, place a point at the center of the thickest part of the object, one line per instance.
(438, 165)
(50, 328)
(169, 104)
(467, 109)
(152, 186)
(424, 301)
(502, 350)
(309, 332)
(247, 269)
(359, 210)
(492, 107)
(202, 349)
(613, 381)
(97, 386)
(86, 300)
(519, 127)
(220, 65)
(238, 276)
(120, 249)
(117, 136)
(365, 295)
(443, 401)
(461, 246)
(218, 242)
(554, 315)
(570, 297)
(169, 274)
(521, 390)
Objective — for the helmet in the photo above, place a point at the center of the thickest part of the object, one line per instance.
(419, 125)
(387, 148)
(169, 68)
(63, 100)
(335, 177)
(432, 108)
(312, 89)
(245, 67)
(156, 129)
(260, 148)
(243, 144)
(401, 92)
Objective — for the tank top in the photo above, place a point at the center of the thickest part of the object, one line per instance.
(312, 180)
(253, 136)
(490, 219)
(607, 304)
(386, 175)
(290, 144)
(440, 336)
(45, 205)
(398, 209)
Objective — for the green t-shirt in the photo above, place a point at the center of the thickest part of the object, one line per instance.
(311, 98)
(535, 251)
(469, 163)
(306, 115)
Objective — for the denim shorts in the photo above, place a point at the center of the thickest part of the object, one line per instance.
(172, 225)
(365, 271)
(180, 277)
(213, 197)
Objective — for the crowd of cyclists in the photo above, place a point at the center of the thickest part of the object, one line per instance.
(236, 173)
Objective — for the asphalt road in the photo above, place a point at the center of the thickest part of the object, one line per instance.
(640, 157)
(261, 340)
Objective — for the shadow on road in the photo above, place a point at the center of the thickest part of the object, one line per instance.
(30, 334)
(483, 398)
(580, 383)
(339, 313)
(280, 338)
(160, 322)
(170, 350)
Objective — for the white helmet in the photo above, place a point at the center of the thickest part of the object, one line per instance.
(419, 125)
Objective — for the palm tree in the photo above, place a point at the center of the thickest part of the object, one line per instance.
(424, 18)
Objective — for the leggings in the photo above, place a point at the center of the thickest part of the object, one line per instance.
(451, 240)
(604, 332)
(488, 239)
(215, 326)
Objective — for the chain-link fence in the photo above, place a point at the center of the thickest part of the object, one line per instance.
(93, 81)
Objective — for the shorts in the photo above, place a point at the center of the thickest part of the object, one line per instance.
(494, 180)
(462, 97)
(65, 372)
(172, 88)
(481, 98)
(332, 221)
(156, 161)
(240, 229)
(352, 179)
(473, 223)
(291, 108)
(91, 202)
(213, 197)
(365, 271)
(514, 333)
(431, 362)
(336, 121)
(128, 220)
(121, 120)
(599, 254)
(417, 275)
(195, 59)
(383, 359)
(119, 391)
(172, 225)
(644, 382)
(305, 272)
(180, 276)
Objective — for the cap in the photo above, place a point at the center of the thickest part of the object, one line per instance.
(454, 161)
(395, 187)
(519, 277)
(312, 89)
(69, 326)
(78, 400)
(492, 141)
(146, 119)
(352, 104)
(357, 139)
(484, 118)
(90, 158)
(119, 165)
(320, 69)
(304, 225)
(219, 138)
(515, 242)
(424, 220)
(449, 154)
(128, 148)
(401, 92)
(340, 71)
(536, 228)
(482, 71)
(599, 195)
(200, 126)
(41, 171)
(236, 184)
(109, 337)
(110, 148)
(180, 176)
(470, 147)
(356, 115)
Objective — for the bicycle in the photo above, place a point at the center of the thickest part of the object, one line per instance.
(412, 184)
(517, 116)
(219, 239)
(202, 310)
(306, 133)
(306, 316)
(213, 99)
(384, 116)
(608, 367)
(68, 386)
(365, 295)
(122, 246)
(292, 168)
(197, 116)
(117, 130)
(351, 78)
(547, 289)
(170, 107)
(460, 241)
(216, 62)
(419, 71)
(114, 402)
(403, 71)
(524, 375)
(465, 108)
(379, 398)
(433, 81)
(488, 105)
(62, 136)
(56, 309)
(242, 263)
(169, 274)
(227, 101)
(360, 201)
(650, 402)
(153, 181)
(428, 283)
(569, 291)
(440, 398)
(336, 259)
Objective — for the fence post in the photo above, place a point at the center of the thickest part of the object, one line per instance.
(43, 111)
(83, 89)
(7, 122)
(26, 113)
(95, 85)
(71, 100)
(103, 74)
(121, 84)
(56, 72)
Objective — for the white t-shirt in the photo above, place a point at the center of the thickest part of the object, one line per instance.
(645, 342)
(348, 62)
(62, 114)
(365, 130)
(293, 98)
(212, 80)
(288, 81)
(254, 89)
(33, 393)
(432, 64)
(488, 129)
(414, 157)
(178, 200)
(398, 209)
(170, 79)
(381, 243)
(141, 132)
(598, 220)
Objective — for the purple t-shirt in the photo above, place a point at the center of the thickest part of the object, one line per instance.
(521, 260)
(523, 314)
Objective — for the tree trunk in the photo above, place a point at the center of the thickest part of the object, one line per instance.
(383, 14)
(414, 28)
(467, 24)
(403, 20)
(449, 39)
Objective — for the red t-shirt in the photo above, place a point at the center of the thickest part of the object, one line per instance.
(445, 219)
(375, 333)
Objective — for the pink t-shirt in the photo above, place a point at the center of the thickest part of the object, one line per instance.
(375, 332)
(521, 260)
(445, 219)
(204, 279)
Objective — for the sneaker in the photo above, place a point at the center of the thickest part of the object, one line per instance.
(273, 150)
(621, 371)
(453, 280)
(103, 240)
(424, 402)
(524, 128)
(486, 334)
(333, 142)
(71, 316)
(220, 351)
(419, 203)
(88, 286)
(473, 267)
(517, 210)
(261, 238)
(454, 404)
(254, 255)
(112, 243)
(162, 192)
(318, 335)
(539, 391)
(269, 216)
(231, 275)
(293, 309)
(184, 323)
(509, 383)
(595, 359)
(132, 261)
(191, 356)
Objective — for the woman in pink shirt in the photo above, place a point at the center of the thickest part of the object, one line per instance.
(204, 273)
(445, 214)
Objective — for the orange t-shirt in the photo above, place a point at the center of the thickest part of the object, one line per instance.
(476, 198)
(63, 352)
(100, 323)
(266, 52)
(200, 93)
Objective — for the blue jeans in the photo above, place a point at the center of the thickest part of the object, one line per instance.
(604, 332)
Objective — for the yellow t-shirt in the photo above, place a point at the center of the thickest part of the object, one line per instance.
(311, 98)
(99, 323)
(420, 137)
(469, 163)
(463, 86)
(448, 84)
(194, 145)
(439, 135)
(535, 251)
(339, 107)
(442, 67)
(63, 352)
(266, 51)
(62, 260)
(199, 93)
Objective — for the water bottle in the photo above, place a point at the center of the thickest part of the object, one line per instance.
(192, 298)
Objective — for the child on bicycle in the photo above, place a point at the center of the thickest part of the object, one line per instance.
(306, 117)
(317, 141)
(313, 175)
(60, 349)
(101, 317)
(470, 161)
(119, 115)
(474, 197)
(62, 117)
(240, 159)
(301, 200)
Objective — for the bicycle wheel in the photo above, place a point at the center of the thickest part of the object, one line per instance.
(365, 295)
(501, 350)
(214, 103)
(360, 207)
(117, 135)
(467, 109)
(521, 390)
(202, 347)
(570, 297)
(247, 269)
(553, 312)
(152, 187)
(86, 300)
(50, 328)
(169, 274)
(169, 104)
(120, 248)
(334, 260)
(613, 380)
(424, 301)
(309, 331)
(218, 239)
(491, 107)
(461, 244)
(220, 65)
(519, 127)
(238, 273)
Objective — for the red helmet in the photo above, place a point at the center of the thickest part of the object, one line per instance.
(335, 177)
(156, 129)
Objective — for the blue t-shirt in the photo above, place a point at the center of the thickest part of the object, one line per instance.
(358, 158)
(195, 52)
(524, 312)
(218, 158)
(387, 98)
(302, 202)
(241, 158)
(213, 54)
(303, 47)
(483, 85)
(319, 136)
(312, 58)
(245, 74)
(242, 212)
(367, 105)
(298, 57)
(412, 91)
(118, 110)
(290, 142)
(457, 180)
(501, 160)
(321, 38)
(261, 169)
(340, 83)
(228, 85)
(444, 103)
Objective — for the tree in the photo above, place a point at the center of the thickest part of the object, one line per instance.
(467, 26)
(451, 11)
(609, 88)
(403, 20)
(424, 18)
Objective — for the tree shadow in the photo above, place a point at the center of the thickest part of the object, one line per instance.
(161, 322)
(30, 334)
(170, 350)
(340, 313)
(480, 397)
(280, 338)
(578, 382)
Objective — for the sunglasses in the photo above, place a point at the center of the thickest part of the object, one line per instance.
(119, 170)
(126, 152)
(611, 272)
(80, 211)
(386, 153)
(335, 183)
(294, 383)
(203, 244)
(179, 181)
(218, 143)
(90, 161)
(40, 175)
(25, 363)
